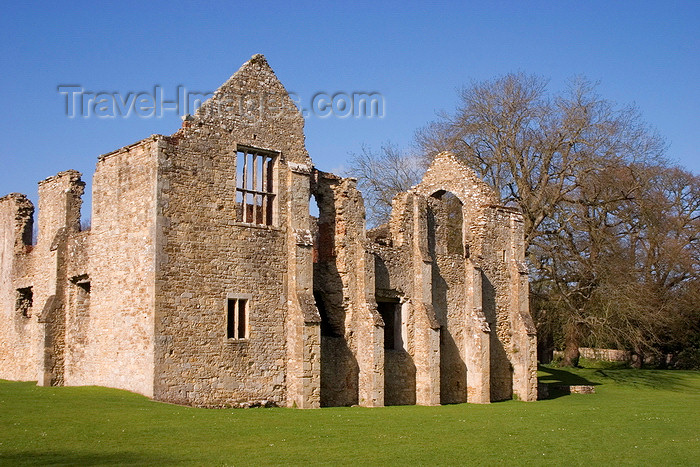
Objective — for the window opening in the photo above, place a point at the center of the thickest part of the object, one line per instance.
(237, 318)
(81, 295)
(255, 188)
(327, 329)
(391, 315)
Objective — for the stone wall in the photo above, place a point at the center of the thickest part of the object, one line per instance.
(352, 363)
(205, 256)
(33, 339)
(202, 284)
(467, 285)
(18, 327)
(609, 355)
(112, 272)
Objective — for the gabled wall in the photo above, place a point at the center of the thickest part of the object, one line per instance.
(206, 255)
(469, 335)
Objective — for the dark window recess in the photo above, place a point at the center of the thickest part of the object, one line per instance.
(241, 324)
(255, 190)
(24, 302)
(327, 329)
(454, 221)
(237, 318)
(391, 315)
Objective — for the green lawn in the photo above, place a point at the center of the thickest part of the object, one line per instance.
(638, 417)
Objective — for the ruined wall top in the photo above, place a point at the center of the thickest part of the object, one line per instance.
(69, 176)
(447, 173)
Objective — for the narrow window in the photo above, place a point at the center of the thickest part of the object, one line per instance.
(255, 187)
(24, 302)
(391, 315)
(231, 318)
(237, 318)
(454, 220)
(241, 319)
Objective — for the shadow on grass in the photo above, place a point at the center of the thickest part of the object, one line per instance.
(75, 458)
(670, 380)
(559, 379)
(561, 376)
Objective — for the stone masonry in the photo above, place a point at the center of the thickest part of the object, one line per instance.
(204, 280)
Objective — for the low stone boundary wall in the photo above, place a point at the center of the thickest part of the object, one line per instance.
(610, 355)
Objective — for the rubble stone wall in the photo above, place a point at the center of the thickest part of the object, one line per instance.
(177, 293)
(19, 357)
(111, 284)
(205, 255)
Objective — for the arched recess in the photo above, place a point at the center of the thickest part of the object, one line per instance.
(449, 291)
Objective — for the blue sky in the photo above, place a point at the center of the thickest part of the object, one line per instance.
(417, 55)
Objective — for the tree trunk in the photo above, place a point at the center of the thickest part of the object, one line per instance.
(571, 345)
(545, 346)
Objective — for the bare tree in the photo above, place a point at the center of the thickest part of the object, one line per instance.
(624, 254)
(382, 175)
(611, 230)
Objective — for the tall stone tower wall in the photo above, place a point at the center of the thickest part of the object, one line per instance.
(18, 331)
(111, 285)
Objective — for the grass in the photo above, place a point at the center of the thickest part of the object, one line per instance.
(602, 364)
(636, 417)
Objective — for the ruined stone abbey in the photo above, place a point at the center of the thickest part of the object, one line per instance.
(205, 281)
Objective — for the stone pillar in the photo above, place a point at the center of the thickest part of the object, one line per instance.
(17, 220)
(477, 347)
(303, 320)
(427, 327)
(59, 205)
(59, 216)
(355, 265)
(370, 355)
(17, 321)
(524, 351)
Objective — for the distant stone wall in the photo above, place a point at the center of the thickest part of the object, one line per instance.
(32, 337)
(458, 262)
(494, 248)
(609, 355)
